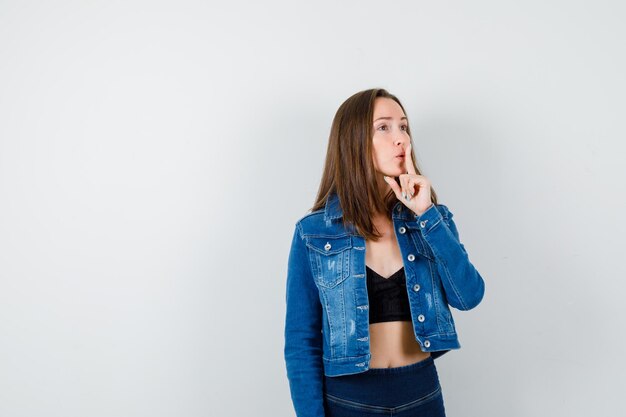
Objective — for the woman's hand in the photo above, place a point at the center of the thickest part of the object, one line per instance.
(418, 202)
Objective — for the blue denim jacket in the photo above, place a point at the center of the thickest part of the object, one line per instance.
(327, 317)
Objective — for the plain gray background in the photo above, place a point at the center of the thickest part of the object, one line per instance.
(155, 156)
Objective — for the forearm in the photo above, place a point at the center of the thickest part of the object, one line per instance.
(462, 283)
(303, 334)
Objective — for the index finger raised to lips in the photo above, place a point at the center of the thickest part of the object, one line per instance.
(408, 161)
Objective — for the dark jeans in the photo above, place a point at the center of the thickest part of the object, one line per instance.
(405, 391)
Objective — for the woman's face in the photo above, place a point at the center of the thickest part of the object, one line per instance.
(390, 137)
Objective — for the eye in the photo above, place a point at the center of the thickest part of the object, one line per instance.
(381, 126)
(405, 127)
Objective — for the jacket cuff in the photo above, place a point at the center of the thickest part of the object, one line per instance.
(428, 219)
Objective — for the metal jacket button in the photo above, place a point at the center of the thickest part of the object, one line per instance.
(426, 343)
(327, 246)
(411, 257)
(423, 223)
(416, 287)
(402, 230)
(420, 318)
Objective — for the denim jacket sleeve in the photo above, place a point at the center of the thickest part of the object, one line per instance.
(303, 333)
(463, 285)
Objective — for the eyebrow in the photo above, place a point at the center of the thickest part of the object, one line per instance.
(389, 118)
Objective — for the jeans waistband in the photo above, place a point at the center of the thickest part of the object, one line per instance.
(393, 386)
(402, 369)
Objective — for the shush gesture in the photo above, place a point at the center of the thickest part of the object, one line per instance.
(414, 189)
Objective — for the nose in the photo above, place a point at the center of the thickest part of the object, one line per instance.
(402, 141)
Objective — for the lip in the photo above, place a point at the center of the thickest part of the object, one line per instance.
(400, 156)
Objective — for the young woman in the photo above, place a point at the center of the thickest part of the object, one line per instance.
(372, 272)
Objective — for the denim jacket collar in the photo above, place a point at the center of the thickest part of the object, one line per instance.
(333, 210)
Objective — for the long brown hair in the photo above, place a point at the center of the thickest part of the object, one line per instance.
(349, 168)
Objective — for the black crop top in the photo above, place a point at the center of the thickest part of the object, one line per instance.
(388, 297)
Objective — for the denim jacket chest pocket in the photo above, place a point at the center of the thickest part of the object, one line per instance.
(330, 259)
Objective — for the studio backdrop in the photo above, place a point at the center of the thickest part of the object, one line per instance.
(155, 156)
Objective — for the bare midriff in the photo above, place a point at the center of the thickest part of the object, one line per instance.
(392, 343)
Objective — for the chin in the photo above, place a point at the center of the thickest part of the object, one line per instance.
(395, 172)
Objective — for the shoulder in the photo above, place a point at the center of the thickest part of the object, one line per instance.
(316, 224)
(311, 216)
(311, 222)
